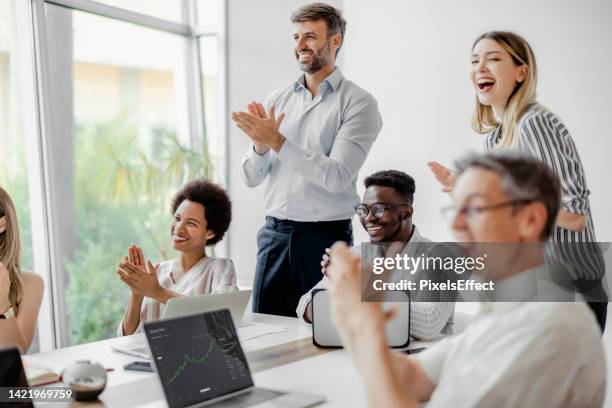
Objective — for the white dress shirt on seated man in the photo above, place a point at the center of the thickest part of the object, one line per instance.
(328, 137)
(520, 354)
(428, 319)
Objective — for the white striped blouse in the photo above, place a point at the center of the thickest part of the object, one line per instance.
(543, 135)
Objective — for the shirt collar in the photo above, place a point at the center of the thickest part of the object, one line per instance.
(411, 246)
(416, 235)
(332, 81)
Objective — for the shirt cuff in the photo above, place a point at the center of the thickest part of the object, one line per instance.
(120, 329)
(577, 205)
(305, 300)
(259, 160)
(291, 154)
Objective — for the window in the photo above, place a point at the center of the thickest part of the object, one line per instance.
(165, 9)
(13, 164)
(209, 61)
(128, 109)
(131, 152)
(209, 13)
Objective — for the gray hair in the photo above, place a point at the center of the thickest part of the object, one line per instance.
(521, 178)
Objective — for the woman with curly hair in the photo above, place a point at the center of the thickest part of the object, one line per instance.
(202, 213)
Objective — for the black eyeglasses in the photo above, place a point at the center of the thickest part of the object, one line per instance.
(451, 212)
(378, 209)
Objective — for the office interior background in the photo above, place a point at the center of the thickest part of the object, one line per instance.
(107, 107)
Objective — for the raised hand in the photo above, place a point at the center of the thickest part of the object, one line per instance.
(325, 261)
(257, 109)
(444, 175)
(142, 283)
(350, 314)
(136, 257)
(261, 131)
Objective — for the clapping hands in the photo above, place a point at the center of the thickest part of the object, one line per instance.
(261, 127)
(140, 276)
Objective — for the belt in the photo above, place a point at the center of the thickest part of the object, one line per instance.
(307, 225)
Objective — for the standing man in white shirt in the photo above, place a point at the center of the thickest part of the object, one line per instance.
(514, 354)
(311, 154)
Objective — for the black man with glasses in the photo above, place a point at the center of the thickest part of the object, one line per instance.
(385, 213)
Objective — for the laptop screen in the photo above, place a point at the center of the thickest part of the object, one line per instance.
(12, 375)
(198, 357)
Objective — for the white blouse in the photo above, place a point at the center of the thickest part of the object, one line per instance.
(207, 276)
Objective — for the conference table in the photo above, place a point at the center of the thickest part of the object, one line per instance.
(285, 360)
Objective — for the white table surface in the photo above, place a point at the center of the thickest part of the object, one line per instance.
(332, 374)
(100, 350)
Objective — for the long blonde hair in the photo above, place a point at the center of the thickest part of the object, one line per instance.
(524, 94)
(10, 248)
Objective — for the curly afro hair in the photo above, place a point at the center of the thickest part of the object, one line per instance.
(216, 201)
(401, 182)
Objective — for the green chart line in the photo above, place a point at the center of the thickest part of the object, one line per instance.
(187, 360)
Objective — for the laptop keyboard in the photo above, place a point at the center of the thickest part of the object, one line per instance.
(246, 399)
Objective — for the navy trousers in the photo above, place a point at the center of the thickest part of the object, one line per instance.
(289, 261)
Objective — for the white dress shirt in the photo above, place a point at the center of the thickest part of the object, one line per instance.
(427, 319)
(521, 354)
(312, 178)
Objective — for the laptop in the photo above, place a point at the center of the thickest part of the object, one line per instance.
(325, 334)
(12, 376)
(236, 302)
(200, 363)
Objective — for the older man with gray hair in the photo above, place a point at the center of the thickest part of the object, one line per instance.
(514, 354)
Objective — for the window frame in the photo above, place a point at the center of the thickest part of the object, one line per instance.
(47, 119)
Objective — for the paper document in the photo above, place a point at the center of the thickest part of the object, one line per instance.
(248, 331)
(138, 349)
(38, 374)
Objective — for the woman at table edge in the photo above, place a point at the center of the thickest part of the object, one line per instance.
(21, 292)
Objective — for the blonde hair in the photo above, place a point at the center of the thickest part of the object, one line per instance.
(524, 94)
(10, 248)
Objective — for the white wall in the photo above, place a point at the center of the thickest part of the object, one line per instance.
(414, 58)
(260, 59)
